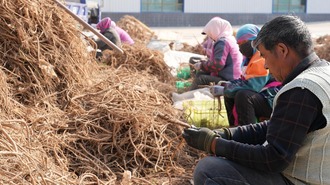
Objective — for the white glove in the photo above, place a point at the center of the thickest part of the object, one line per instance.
(223, 83)
(198, 65)
(217, 90)
(195, 60)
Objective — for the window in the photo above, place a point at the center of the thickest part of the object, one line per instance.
(289, 6)
(162, 5)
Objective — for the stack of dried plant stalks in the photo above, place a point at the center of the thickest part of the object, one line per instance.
(136, 29)
(66, 119)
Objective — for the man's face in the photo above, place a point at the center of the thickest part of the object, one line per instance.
(274, 62)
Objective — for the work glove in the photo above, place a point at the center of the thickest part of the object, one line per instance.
(217, 90)
(195, 60)
(199, 138)
(223, 133)
(223, 83)
(198, 65)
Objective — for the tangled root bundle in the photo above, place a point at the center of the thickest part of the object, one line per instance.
(197, 49)
(136, 29)
(139, 57)
(322, 47)
(118, 128)
(42, 49)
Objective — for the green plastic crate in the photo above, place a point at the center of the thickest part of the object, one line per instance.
(205, 113)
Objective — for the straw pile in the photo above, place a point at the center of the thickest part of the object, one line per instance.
(66, 119)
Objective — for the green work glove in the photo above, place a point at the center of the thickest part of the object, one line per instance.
(199, 138)
(223, 133)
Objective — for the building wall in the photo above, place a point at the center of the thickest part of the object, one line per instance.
(225, 6)
(73, 1)
(198, 13)
(132, 6)
(318, 7)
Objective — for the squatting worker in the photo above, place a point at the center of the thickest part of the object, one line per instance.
(250, 97)
(225, 60)
(293, 146)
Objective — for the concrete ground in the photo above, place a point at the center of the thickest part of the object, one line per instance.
(193, 36)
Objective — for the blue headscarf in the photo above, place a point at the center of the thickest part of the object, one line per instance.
(247, 32)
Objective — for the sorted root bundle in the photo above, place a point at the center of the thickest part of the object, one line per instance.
(136, 29)
(139, 57)
(41, 47)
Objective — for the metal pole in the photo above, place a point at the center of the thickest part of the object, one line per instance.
(89, 27)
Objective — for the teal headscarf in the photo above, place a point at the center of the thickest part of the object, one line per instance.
(247, 32)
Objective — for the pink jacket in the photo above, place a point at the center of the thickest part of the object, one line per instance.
(124, 36)
(226, 59)
(208, 47)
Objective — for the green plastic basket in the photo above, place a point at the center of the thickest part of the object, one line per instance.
(205, 113)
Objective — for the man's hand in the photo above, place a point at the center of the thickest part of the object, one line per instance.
(199, 138)
(217, 90)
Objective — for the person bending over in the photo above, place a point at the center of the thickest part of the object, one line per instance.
(110, 33)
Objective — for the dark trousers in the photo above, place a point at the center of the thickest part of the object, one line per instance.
(220, 171)
(202, 79)
(249, 105)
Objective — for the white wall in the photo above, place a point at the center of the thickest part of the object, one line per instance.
(74, 1)
(318, 7)
(216, 6)
(117, 6)
(228, 6)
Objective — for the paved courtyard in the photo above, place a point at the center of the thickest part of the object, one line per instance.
(193, 36)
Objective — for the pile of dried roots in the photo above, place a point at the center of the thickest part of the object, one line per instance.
(40, 50)
(136, 29)
(197, 49)
(322, 47)
(67, 119)
(140, 58)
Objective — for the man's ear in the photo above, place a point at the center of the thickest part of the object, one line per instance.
(282, 50)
